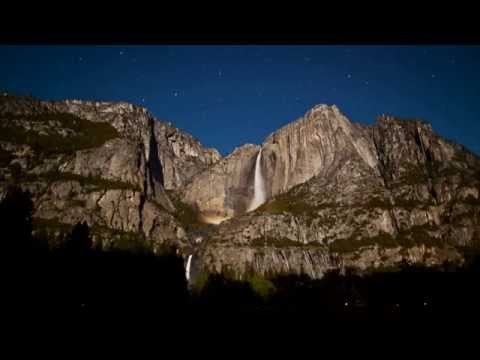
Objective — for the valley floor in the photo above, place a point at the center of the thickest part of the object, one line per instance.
(141, 287)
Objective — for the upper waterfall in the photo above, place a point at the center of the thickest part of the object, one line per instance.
(259, 185)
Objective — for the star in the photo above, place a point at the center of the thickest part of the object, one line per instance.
(121, 52)
(80, 59)
(143, 100)
(349, 76)
(366, 82)
(220, 73)
(175, 93)
(434, 76)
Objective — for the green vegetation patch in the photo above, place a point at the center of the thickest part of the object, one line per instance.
(88, 134)
(127, 241)
(53, 223)
(413, 175)
(96, 182)
(52, 231)
(407, 203)
(184, 213)
(279, 242)
(290, 204)
(200, 281)
(264, 288)
(441, 170)
(355, 242)
(415, 236)
(259, 286)
(294, 204)
(118, 240)
(418, 235)
(376, 203)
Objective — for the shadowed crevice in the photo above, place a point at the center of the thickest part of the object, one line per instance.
(154, 163)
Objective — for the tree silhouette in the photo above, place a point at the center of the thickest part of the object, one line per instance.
(16, 211)
(24, 271)
(79, 240)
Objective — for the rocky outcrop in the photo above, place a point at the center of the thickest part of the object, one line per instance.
(338, 194)
(178, 154)
(342, 194)
(225, 189)
(316, 144)
(109, 166)
(238, 261)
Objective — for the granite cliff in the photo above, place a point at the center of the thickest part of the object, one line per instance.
(338, 194)
(105, 163)
(342, 195)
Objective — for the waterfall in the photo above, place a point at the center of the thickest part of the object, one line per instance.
(187, 269)
(259, 185)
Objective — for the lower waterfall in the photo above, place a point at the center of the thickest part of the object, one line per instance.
(187, 268)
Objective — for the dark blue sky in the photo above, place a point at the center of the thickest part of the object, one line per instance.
(226, 96)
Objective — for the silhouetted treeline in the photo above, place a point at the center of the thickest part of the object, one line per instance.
(413, 292)
(77, 280)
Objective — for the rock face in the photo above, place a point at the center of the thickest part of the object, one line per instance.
(314, 262)
(106, 163)
(317, 144)
(177, 153)
(338, 194)
(344, 195)
(226, 188)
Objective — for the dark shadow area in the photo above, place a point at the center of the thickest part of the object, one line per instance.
(75, 281)
(154, 163)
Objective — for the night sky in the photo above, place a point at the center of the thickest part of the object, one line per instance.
(226, 96)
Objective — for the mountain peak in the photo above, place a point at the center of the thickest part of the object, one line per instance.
(323, 108)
